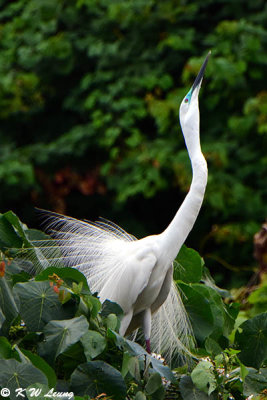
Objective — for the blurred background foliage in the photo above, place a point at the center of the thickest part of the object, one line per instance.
(89, 102)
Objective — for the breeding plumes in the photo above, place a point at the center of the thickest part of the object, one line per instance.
(138, 274)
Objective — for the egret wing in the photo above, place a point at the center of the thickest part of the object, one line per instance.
(106, 254)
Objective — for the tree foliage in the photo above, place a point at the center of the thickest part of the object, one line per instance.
(89, 97)
(58, 337)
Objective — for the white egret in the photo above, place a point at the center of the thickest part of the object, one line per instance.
(138, 274)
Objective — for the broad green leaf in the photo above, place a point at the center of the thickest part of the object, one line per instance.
(206, 310)
(259, 298)
(38, 391)
(94, 344)
(60, 335)
(203, 377)
(189, 267)
(19, 227)
(140, 396)
(15, 374)
(42, 365)
(18, 237)
(199, 311)
(96, 377)
(190, 392)
(130, 364)
(212, 347)
(2, 318)
(110, 307)
(68, 275)
(255, 382)
(154, 383)
(162, 369)
(39, 304)
(71, 358)
(134, 348)
(117, 339)
(6, 349)
(94, 305)
(251, 339)
(111, 321)
(20, 277)
(209, 281)
(8, 304)
(9, 238)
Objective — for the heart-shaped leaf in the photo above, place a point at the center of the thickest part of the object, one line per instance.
(15, 374)
(39, 304)
(251, 339)
(96, 377)
(93, 343)
(60, 335)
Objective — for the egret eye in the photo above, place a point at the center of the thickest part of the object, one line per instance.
(186, 101)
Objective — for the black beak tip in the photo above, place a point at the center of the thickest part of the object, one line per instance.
(201, 72)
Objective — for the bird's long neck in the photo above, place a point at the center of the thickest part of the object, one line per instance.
(176, 233)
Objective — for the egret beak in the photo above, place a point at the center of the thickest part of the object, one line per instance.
(200, 75)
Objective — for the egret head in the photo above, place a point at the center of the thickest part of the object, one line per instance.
(189, 112)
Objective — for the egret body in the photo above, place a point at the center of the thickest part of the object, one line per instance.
(138, 274)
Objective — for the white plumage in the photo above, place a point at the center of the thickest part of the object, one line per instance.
(137, 274)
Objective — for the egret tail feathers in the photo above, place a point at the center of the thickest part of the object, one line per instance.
(171, 331)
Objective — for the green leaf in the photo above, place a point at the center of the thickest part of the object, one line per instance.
(251, 339)
(42, 365)
(207, 312)
(189, 267)
(140, 396)
(199, 311)
(255, 382)
(94, 305)
(111, 321)
(40, 304)
(71, 358)
(8, 304)
(130, 364)
(154, 383)
(15, 374)
(96, 377)
(60, 335)
(120, 341)
(110, 307)
(259, 298)
(209, 281)
(6, 350)
(94, 344)
(2, 318)
(9, 238)
(203, 377)
(162, 369)
(19, 227)
(37, 391)
(20, 277)
(212, 347)
(190, 392)
(68, 275)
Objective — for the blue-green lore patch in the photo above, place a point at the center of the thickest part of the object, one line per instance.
(188, 96)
